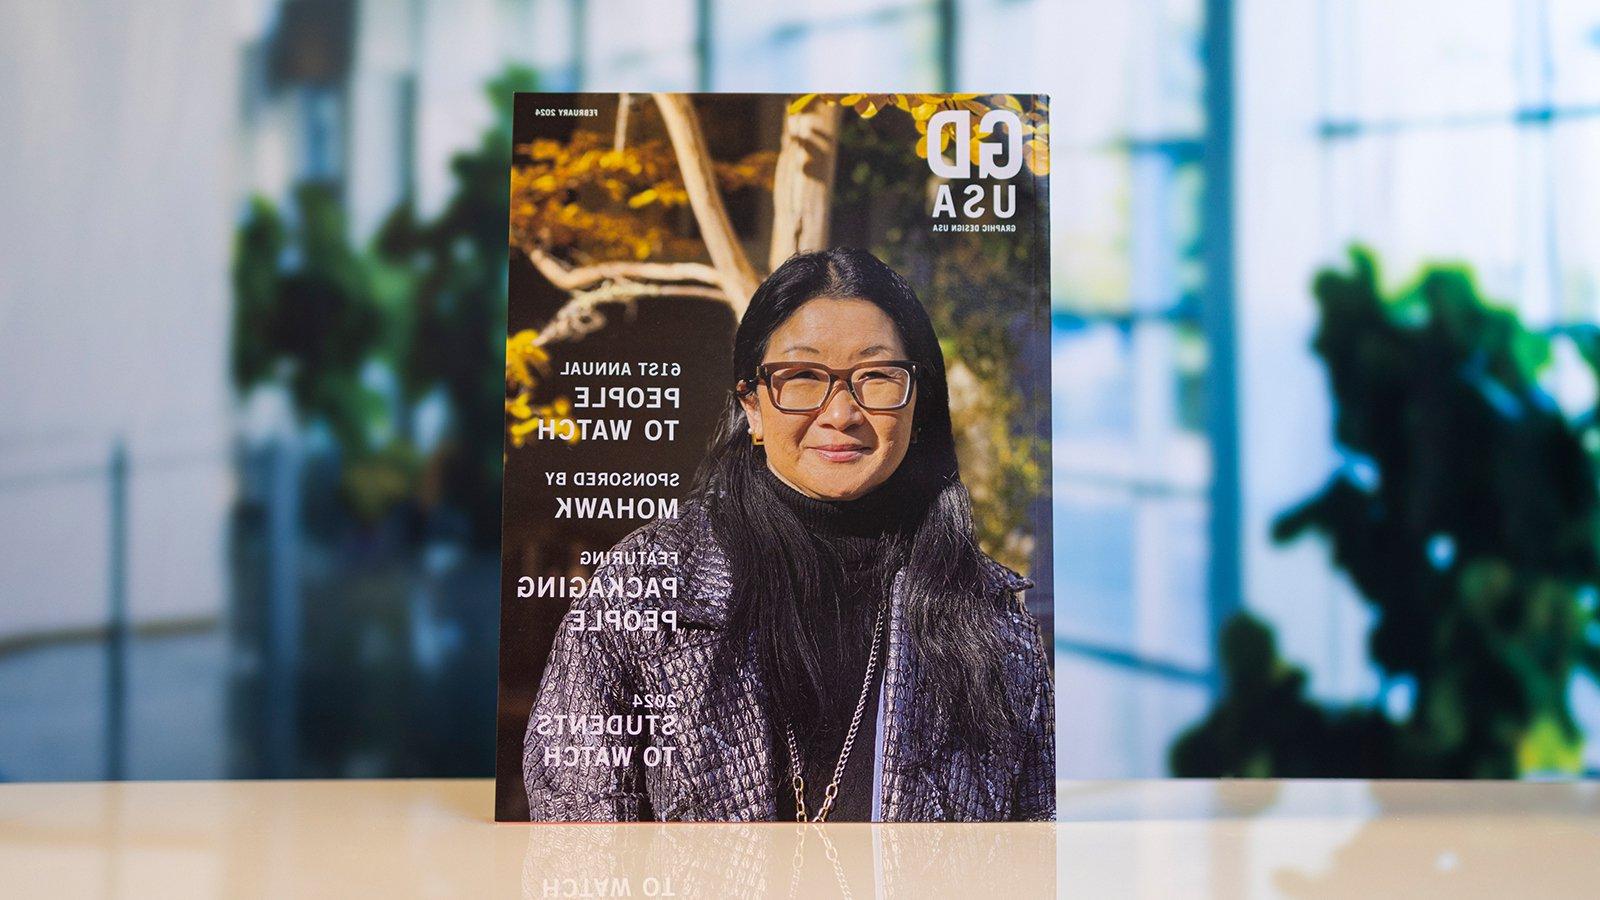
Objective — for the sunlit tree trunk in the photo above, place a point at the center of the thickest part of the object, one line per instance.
(802, 186)
(738, 276)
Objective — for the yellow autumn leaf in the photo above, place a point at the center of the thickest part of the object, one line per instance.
(1036, 154)
(525, 341)
(851, 99)
(643, 198)
(800, 103)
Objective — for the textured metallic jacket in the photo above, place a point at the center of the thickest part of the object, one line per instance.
(713, 760)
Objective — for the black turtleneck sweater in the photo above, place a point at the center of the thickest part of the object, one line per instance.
(851, 537)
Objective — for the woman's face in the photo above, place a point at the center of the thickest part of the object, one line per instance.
(841, 451)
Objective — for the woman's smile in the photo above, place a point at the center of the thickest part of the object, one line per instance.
(841, 453)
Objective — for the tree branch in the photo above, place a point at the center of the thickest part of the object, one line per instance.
(580, 316)
(620, 138)
(581, 277)
(623, 291)
(739, 278)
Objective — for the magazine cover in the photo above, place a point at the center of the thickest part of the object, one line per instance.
(776, 510)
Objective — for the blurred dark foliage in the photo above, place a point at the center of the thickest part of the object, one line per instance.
(425, 306)
(1263, 725)
(307, 314)
(1466, 516)
(365, 603)
(455, 342)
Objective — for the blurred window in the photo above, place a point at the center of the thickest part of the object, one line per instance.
(322, 134)
(1131, 453)
(1501, 97)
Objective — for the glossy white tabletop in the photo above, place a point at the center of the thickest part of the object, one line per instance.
(1142, 839)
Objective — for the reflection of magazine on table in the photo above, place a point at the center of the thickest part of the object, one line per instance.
(776, 484)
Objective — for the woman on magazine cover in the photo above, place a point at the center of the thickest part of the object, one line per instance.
(843, 650)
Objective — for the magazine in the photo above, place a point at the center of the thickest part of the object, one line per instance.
(776, 527)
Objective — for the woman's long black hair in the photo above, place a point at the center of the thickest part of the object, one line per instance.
(777, 568)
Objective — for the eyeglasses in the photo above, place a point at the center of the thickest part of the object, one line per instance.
(804, 386)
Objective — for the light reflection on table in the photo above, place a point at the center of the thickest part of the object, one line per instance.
(1143, 839)
(788, 860)
(1315, 839)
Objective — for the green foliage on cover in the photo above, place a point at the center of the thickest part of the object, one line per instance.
(984, 293)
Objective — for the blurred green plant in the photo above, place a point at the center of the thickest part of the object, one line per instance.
(1466, 514)
(314, 315)
(423, 310)
(456, 264)
(306, 314)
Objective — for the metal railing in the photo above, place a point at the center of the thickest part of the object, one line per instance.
(117, 629)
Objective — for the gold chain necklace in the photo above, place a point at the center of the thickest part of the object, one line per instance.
(831, 793)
